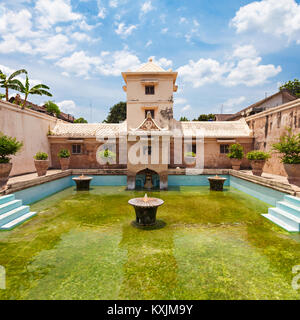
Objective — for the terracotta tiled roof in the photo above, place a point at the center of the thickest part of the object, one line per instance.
(81, 130)
(150, 66)
(217, 129)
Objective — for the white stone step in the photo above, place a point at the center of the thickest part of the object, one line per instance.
(293, 200)
(286, 217)
(280, 223)
(17, 221)
(13, 214)
(288, 207)
(7, 198)
(5, 207)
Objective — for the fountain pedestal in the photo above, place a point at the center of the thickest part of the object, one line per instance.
(145, 210)
(216, 183)
(82, 182)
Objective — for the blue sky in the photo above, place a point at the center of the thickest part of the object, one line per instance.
(228, 53)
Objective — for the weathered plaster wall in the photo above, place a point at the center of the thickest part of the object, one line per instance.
(28, 126)
(269, 125)
(161, 101)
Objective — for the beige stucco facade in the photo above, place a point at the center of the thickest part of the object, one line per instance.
(28, 126)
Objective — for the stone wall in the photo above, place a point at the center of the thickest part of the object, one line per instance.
(269, 125)
(28, 126)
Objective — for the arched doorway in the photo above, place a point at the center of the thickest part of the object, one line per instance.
(140, 178)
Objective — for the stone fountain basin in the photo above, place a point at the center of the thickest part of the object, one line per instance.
(145, 211)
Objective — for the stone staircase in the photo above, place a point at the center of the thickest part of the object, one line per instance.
(12, 212)
(286, 214)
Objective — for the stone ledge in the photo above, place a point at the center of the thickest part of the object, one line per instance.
(276, 185)
(100, 171)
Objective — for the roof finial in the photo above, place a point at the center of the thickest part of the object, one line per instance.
(150, 59)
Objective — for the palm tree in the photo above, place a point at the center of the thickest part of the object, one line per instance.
(9, 82)
(38, 89)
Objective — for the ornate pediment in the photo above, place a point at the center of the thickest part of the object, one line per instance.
(148, 124)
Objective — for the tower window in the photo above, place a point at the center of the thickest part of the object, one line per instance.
(151, 111)
(224, 148)
(149, 89)
(76, 149)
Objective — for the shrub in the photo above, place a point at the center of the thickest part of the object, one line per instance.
(64, 153)
(289, 147)
(41, 156)
(257, 155)
(190, 154)
(235, 151)
(8, 146)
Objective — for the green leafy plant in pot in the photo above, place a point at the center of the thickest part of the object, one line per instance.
(8, 146)
(64, 159)
(41, 163)
(236, 154)
(107, 156)
(257, 160)
(289, 149)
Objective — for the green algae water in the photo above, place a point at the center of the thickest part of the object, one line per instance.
(214, 245)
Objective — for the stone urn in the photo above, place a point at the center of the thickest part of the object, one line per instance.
(41, 166)
(257, 166)
(64, 163)
(216, 183)
(235, 163)
(293, 172)
(5, 169)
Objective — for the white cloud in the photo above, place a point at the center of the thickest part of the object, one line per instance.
(6, 70)
(186, 108)
(86, 27)
(164, 30)
(251, 73)
(146, 7)
(149, 42)
(18, 23)
(11, 44)
(118, 62)
(162, 62)
(102, 13)
(271, 17)
(246, 51)
(247, 71)
(233, 102)
(79, 63)
(107, 64)
(67, 106)
(55, 11)
(180, 101)
(113, 3)
(203, 71)
(54, 46)
(124, 31)
(182, 20)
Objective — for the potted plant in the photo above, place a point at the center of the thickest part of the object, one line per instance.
(189, 159)
(64, 159)
(289, 147)
(41, 163)
(257, 160)
(235, 155)
(107, 156)
(8, 146)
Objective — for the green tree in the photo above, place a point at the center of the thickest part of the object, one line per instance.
(80, 120)
(2, 96)
(52, 108)
(117, 113)
(293, 87)
(206, 117)
(183, 119)
(38, 89)
(10, 82)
